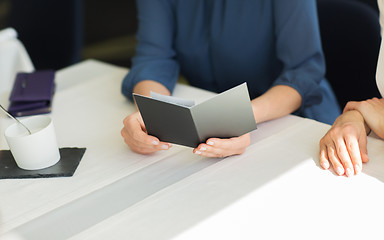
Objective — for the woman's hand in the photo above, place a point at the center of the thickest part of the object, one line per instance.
(136, 137)
(278, 101)
(345, 144)
(373, 113)
(217, 147)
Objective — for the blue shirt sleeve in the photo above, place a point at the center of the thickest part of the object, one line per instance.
(155, 56)
(298, 47)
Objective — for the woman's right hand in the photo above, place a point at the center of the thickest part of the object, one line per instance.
(136, 137)
(373, 113)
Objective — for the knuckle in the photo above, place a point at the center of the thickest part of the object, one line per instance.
(322, 141)
(347, 105)
(136, 135)
(330, 151)
(348, 128)
(123, 132)
(126, 120)
(350, 146)
(334, 132)
(364, 104)
(339, 149)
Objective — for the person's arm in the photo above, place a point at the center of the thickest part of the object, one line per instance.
(155, 57)
(145, 87)
(154, 68)
(298, 48)
(134, 132)
(345, 144)
(278, 101)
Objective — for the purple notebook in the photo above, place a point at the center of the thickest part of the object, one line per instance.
(32, 93)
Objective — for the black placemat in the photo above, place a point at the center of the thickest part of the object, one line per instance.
(66, 167)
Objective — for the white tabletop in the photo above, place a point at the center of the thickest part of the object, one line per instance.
(275, 190)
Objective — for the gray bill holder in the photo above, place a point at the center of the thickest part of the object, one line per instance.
(228, 114)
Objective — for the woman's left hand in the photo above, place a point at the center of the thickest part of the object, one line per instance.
(219, 147)
(345, 144)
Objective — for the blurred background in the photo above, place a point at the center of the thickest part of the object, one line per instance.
(62, 32)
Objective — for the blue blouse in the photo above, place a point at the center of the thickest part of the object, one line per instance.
(218, 44)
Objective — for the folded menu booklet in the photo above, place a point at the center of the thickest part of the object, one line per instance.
(175, 120)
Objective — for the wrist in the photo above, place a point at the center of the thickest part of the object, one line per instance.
(260, 110)
(356, 116)
(146, 86)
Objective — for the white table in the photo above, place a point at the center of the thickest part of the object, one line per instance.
(275, 190)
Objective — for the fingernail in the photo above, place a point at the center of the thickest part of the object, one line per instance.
(203, 148)
(325, 165)
(349, 172)
(155, 142)
(210, 143)
(358, 168)
(198, 152)
(339, 171)
(165, 147)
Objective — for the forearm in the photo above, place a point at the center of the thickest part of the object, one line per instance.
(145, 87)
(278, 101)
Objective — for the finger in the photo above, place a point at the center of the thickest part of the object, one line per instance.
(210, 152)
(151, 142)
(351, 105)
(141, 142)
(145, 149)
(137, 134)
(363, 149)
(324, 157)
(223, 152)
(134, 146)
(344, 157)
(236, 145)
(149, 150)
(155, 145)
(354, 153)
(336, 164)
(200, 149)
(211, 155)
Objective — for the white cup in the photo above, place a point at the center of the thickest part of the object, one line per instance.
(37, 150)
